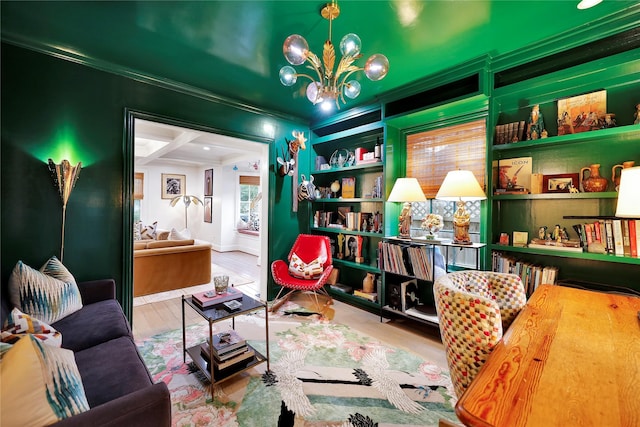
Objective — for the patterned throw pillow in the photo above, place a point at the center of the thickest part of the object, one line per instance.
(137, 226)
(19, 324)
(40, 385)
(41, 294)
(149, 231)
(179, 235)
(302, 270)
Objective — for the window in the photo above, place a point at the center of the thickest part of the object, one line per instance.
(433, 153)
(249, 203)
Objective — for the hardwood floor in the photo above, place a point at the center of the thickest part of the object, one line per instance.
(155, 317)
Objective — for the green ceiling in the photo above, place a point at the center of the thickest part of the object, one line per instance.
(234, 48)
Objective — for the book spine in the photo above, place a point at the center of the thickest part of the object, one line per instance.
(618, 245)
(633, 238)
(608, 227)
(626, 242)
(637, 222)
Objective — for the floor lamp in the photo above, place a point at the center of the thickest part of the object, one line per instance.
(461, 186)
(64, 178)
(187, 200)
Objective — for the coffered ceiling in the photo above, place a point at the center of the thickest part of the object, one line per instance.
(233, 49)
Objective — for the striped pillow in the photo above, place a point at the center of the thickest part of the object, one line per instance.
(149, 231)
(48, 295)
(40, 384)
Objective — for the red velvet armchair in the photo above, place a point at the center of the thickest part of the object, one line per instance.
(308, 272)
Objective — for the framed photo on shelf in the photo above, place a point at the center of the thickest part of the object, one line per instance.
(559, 183)
(208, 209)
(173, 185)
(348, 187)
(582, 113)
(208, 182)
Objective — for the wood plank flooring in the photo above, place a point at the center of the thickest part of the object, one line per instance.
(157, 317)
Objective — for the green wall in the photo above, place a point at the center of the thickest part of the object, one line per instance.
(49, 104)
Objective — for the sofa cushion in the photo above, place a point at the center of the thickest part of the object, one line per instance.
(140, 245)
(174, 234)
(112, 369)
(40, 384)
(149, 231)
(41, 295)
(19, 324)
(162, 234)
(169, 243)
(94, 324)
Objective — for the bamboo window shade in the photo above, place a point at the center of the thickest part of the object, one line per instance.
(138, 186)
(431, 154)
(249, 180)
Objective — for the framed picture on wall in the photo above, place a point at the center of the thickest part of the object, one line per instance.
(173, 185)
(208, 209)
(208, 182)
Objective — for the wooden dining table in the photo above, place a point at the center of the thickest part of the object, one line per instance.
(570, 358)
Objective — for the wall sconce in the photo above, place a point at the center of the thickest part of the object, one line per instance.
(64, 178)
(461, 186)
(406, 190)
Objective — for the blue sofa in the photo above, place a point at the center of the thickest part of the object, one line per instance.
(118, 386)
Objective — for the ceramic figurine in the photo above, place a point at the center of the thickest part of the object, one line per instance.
(535, 125)
(636, 115)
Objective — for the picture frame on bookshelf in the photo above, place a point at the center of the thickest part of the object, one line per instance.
(348, 187)
(559, 183)
(581, 113)
(514, 175)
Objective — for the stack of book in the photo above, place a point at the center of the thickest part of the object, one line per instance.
(619, 236)
(209, 299)
(229, 350)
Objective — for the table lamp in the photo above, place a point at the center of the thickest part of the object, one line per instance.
(461, 186)
(628, 193)
(406, 190)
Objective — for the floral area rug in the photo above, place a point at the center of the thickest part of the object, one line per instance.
(321, 374)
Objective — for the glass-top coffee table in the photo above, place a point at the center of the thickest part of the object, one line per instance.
(216, 314)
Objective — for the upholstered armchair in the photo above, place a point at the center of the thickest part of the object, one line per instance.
(474, 308)
(307, 268)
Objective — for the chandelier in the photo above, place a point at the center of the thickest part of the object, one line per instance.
(329, 85)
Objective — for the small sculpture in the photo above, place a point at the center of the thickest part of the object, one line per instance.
(609, 121)
(542, 232)
(535, 125)
(636, 115)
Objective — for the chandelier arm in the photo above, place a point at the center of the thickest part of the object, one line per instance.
(346, 76)
(305, 75)
(317, 69)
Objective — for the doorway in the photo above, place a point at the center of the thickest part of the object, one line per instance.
(160, 146)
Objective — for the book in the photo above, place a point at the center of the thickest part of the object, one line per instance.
(244, 357)
(556, 247)
(202, 300)
(608, 227)
(633, 237)
(626, 241)
(348, 187)
(226, 341)
(618, 243)
(515, 174)
(204, 350)
(371, 296)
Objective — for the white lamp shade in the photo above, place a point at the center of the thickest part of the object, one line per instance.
(406, 190)
(460, 185)
(629, 193)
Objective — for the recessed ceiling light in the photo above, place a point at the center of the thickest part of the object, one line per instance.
(586, 4)
(206, 148)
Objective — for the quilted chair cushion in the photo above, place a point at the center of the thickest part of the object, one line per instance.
(474, 308)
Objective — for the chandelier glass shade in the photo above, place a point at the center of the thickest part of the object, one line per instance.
(328, 85)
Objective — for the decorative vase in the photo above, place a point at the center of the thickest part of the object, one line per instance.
(593, 183)
(221, 284)
(616, 179)
(367, 283)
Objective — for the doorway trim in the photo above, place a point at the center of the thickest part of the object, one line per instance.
(130, 115)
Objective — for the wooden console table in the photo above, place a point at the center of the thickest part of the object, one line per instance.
(571, 357)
